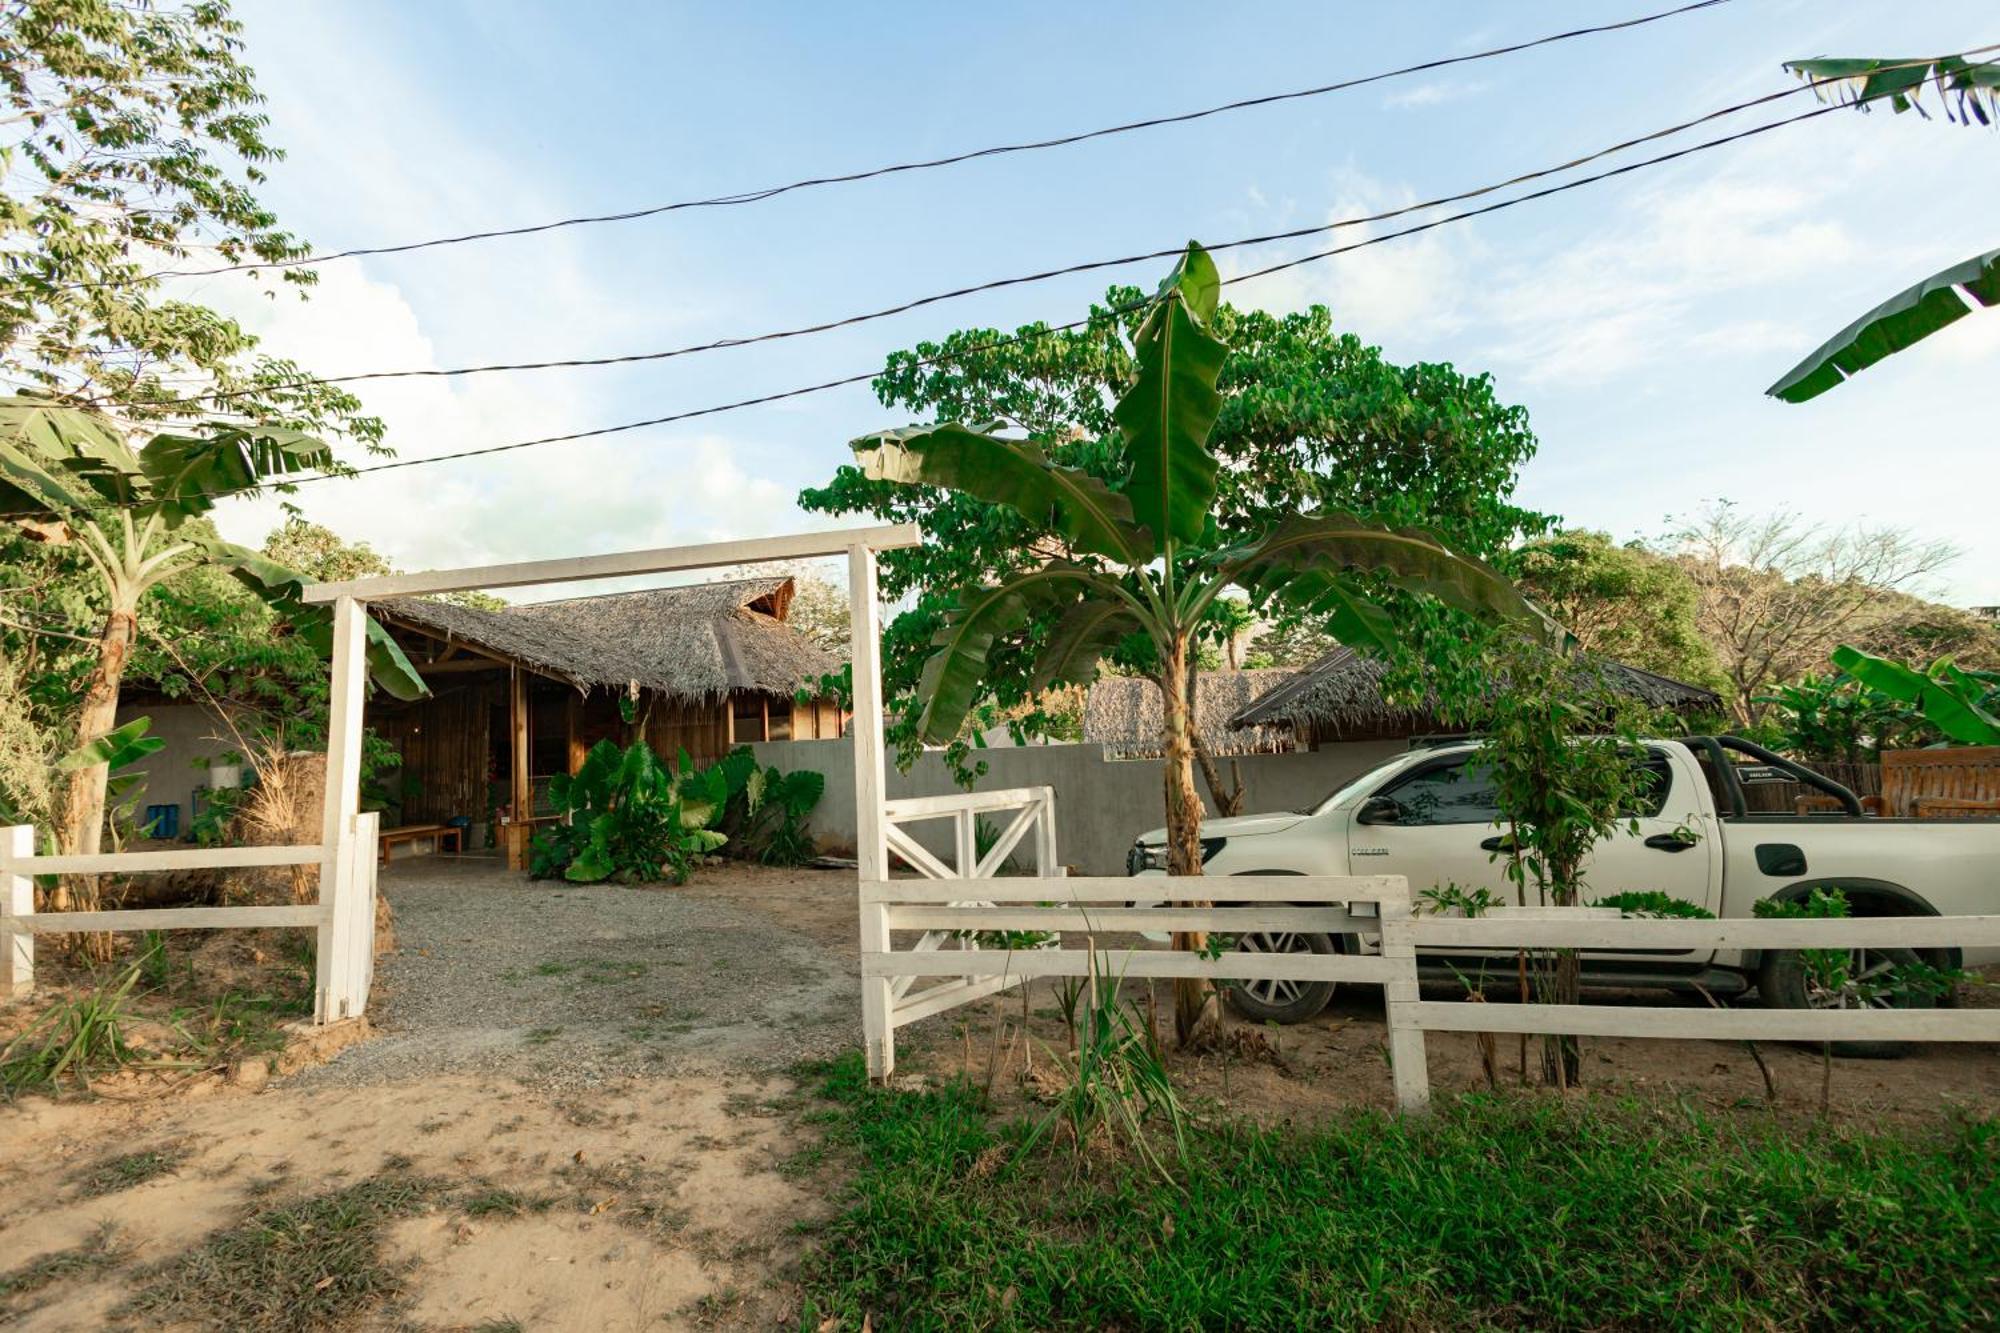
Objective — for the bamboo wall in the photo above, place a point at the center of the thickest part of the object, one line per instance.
(445, 748)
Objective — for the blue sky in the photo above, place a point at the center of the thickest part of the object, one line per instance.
(1637, 320)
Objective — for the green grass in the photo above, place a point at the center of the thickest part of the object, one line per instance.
(98, 1252)
(127, 1170)
(1497, 1212)
(306, 1263)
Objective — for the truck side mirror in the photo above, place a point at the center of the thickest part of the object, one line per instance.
(1379, 810)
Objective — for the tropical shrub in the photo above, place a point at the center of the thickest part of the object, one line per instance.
(625, 818)
(762, 810)
(1964, 705)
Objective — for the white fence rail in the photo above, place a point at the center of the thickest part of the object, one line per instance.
(344, 916)
(1034, 812)
(1378, 907)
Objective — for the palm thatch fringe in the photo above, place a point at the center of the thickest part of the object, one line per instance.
(1123, 714)
(1340, 697)
(693, 643)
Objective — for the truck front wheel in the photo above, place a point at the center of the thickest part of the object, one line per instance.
(1281, 1001)
(1785, 982)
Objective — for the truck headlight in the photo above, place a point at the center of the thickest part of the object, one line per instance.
(1142, 857)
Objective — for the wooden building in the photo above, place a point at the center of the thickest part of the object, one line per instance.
(522, 693)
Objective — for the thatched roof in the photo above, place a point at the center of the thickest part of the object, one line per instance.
(1340, 696)
(1123, 714)
(694, 642)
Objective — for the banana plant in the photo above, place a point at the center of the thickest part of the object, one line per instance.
(69, 475)
(1945, 297)
(1144, 556)
(1964, 705)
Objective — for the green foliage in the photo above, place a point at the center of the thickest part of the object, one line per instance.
(1653, 903)
(70, 1041)
(1442, 898)
(1563, 749)
(1098, 591)
(1493, 1212)
(1831, 716)
(1116, 1085)
(624, 818)
(1827, 970)
(1625, 602)
(1309, 420)
(1944, 298)
(1964, 705)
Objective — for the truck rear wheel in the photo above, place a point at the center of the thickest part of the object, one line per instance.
(1281, 1001)
(1784, 982)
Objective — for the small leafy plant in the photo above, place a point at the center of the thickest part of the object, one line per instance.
(626, 818)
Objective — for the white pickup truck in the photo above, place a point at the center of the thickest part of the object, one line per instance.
(1431, 815)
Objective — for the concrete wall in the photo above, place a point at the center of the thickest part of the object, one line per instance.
(191, 732)
(1101, 804)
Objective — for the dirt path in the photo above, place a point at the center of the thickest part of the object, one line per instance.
(568, 985)
(570, 1119)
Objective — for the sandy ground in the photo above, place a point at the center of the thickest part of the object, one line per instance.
(616, 1057)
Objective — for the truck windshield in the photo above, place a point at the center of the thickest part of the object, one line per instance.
(1354, 786)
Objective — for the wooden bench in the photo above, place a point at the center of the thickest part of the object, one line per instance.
(417, 832)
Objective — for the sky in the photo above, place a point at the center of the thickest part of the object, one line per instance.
(1638, 320)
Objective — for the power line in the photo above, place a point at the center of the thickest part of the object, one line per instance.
(994, 345)
(1000, 150)
(997, 284)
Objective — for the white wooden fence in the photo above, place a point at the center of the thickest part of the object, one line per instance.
(1034, 811)
(1377, 908)
(343, 918)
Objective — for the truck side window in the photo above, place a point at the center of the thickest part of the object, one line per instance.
(1657, 782)
(1457, 791)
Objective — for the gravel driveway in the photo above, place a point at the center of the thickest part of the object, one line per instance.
(567, 985)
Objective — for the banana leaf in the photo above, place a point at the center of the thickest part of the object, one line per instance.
(1903, 320)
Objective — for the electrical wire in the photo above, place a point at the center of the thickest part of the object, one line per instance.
(1039, 331)
(1000, 150)
(997, 284)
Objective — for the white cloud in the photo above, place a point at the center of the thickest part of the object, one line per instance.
(1437, 92)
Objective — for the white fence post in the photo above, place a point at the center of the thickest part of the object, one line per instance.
(870, 790)
(17, 899)
(1046, 864)
(346, 699)
(1408, 1065)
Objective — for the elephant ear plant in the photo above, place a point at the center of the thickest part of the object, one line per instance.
(1142, 555)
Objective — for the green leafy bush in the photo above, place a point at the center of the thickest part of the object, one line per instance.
(762, 810)
(626, 817)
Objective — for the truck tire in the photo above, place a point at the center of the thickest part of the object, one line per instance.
(1782, 983)
(1281, 1001)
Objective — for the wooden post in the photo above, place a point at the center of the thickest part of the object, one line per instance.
(521, 799)
(17, 899)
(1408, 1065)
(345, 701)
(870, 790)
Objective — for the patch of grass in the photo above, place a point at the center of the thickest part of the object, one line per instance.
(540, 1036)
(304, 1264)
(499, 1326)
(627, 1192)
(71, 1041)
(1497, 1211)
(127, 1170)
(100, 1251)
(554, 969)
(498, 1202)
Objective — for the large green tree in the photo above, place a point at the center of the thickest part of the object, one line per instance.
(1624, 602)
(1148, 552)
(1309, 418)
(133, 147)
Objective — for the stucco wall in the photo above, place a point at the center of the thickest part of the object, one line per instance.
(1101, 805)
(191, 732)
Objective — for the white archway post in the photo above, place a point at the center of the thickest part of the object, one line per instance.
(347, 843)
(871, 845)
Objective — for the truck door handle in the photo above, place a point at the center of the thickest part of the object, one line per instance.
(1669, 842)
(1500, 842)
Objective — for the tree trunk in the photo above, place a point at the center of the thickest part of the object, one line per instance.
(1562, 1056)
(83, 799)
(1197, 1012)
(1228, 800)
